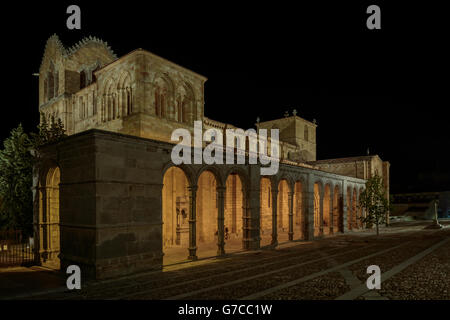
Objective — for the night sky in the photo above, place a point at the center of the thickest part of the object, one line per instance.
(386, 90)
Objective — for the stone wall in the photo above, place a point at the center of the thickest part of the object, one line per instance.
(359, 167)
(111, 195)
(298, 136)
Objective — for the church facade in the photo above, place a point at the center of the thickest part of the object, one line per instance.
(109, 199)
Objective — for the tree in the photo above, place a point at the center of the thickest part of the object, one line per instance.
(17, 159)
(375, 201)
(16, 163)
(48, 132)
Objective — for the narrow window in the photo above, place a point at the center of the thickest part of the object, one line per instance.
(163, 106)
(82, 79)
(157, 108)
(129, 109)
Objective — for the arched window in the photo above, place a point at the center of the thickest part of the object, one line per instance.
(185, 101)
(160, 102)
(162, 99)
(109, 101)
(163, 93)
(124, 95)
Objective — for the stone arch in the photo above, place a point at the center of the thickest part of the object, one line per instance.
(185, 103)
(214, 169)
(49, 215)
(275, 179)
(190, 174)
(109, 103)
(241, 171)
(125, 94)
(207, 209)
(175, 214)
(283, 207)
(236, 222)
(163, 89)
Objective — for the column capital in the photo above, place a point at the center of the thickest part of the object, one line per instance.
(221, 189)
(193, 188)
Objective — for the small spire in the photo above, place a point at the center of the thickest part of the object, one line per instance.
(314, 121)
(294, 112)
(368, 152)
(286, 114)
(257, 119)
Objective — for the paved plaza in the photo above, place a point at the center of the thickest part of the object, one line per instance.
(414, 263)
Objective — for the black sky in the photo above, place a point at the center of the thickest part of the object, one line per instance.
(386, 90)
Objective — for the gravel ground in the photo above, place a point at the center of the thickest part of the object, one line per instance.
(390, 259)
(427, 279)
(221, 279)
(282, 258)
(180, 273)
(326, 287)
(255, 285)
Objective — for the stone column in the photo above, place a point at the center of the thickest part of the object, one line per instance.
(358, 212)
(309, 207)
(291, 215)
(120, 102)
(321, 195)
(220, 221)
(192, 223)
(344, 207)
(331, 211)
(246, 222)
(274, 216)
(42, 244)
(252, 204)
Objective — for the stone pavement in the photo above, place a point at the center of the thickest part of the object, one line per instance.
(24, 282)
(414, 263)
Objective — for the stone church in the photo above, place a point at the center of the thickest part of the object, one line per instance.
(109, 199)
